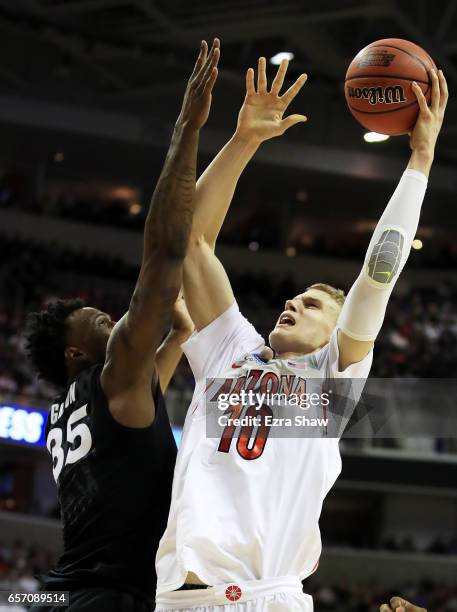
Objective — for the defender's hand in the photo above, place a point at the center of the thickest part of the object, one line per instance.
(398, 604)
(261, 116)
(197, 99)
(428, 125)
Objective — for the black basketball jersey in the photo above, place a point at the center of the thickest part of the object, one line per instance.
(114, 487)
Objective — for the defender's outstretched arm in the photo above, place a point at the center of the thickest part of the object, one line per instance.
(363, 312)
(131, 351)
(206, 286)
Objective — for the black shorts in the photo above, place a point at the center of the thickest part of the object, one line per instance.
(100, 600)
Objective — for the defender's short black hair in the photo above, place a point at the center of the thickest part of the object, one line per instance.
(45, 340)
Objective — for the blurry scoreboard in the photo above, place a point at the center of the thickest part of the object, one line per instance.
(24, 425)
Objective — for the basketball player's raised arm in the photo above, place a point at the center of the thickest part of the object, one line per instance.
(363, 312)
(131, 351)
(260, 118)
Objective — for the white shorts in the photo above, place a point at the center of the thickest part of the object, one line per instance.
(283, 594)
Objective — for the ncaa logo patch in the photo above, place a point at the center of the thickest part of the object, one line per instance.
(253, 357)
(249, 357)
(233, 592)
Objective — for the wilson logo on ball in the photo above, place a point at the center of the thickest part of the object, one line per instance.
(233, 592)
(394, 94)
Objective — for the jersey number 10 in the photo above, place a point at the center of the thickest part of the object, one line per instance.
(255, 450)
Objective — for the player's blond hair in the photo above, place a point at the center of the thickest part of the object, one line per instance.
(335, 294)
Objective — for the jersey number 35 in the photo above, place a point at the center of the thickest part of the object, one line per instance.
(78, 442)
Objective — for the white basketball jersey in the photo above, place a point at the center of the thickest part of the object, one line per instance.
(247, 507)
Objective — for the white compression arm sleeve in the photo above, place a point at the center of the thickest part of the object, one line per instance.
(363, 312)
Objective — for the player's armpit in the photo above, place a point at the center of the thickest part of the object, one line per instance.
(169, 353)
(351, 351)
(134, 408)
(207, 289)
(126, 381)
(168, 356)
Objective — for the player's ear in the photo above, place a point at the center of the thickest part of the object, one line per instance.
(74, 354)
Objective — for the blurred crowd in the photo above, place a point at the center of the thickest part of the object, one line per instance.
(438, 545)
(20, 563)
(418, 338)
(112, 213)
(32, 275)
(253, 218)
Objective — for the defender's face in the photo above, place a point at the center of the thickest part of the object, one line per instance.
(89, 331)
(306, 323)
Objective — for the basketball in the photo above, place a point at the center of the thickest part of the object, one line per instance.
(378, 81)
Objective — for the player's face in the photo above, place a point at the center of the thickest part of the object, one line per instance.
(306, 323)
(89, 331)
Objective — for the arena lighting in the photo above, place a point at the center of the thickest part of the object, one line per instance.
(417, 244)
(253, 246)
(375, 137)
(291, 251)
(135, 209)
(277, 59)
(59, 156)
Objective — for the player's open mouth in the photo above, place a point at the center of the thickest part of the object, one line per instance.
(286, 320)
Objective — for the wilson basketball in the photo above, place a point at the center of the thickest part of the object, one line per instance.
(378, 85)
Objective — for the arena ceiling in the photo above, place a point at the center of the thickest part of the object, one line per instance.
(134, 56)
